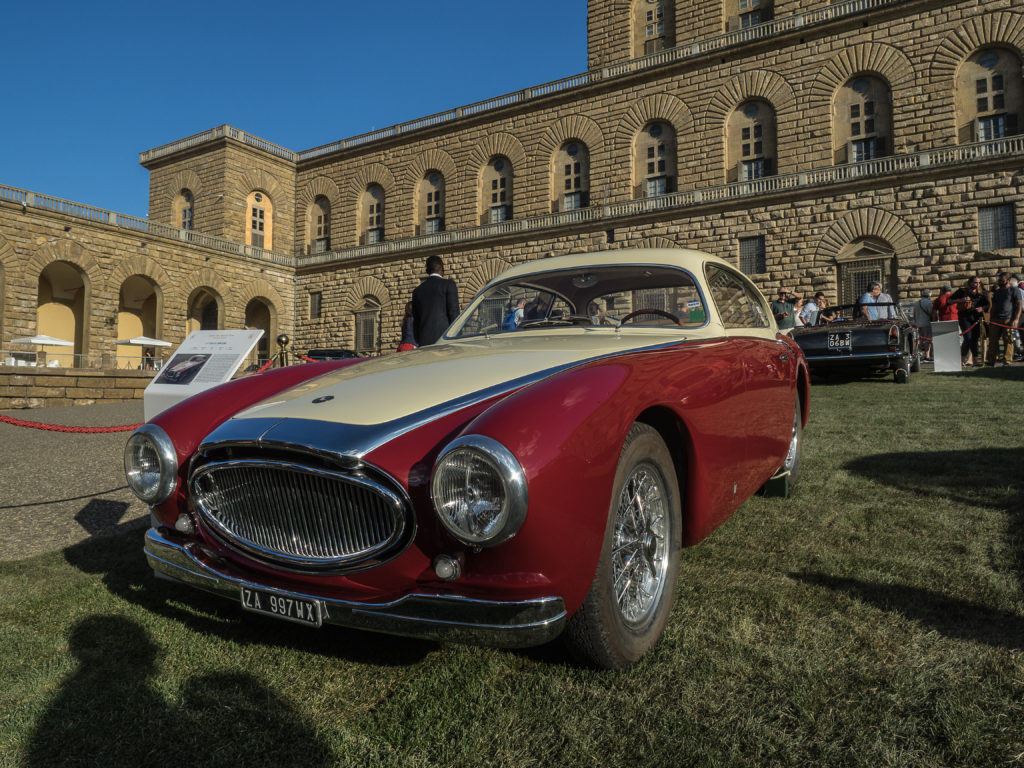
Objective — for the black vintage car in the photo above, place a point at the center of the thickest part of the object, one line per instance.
(847, 341)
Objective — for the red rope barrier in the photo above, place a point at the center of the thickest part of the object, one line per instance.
(63, 428)
(264, 367)
(308, 359)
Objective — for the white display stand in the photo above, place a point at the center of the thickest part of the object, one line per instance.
(204, 360)
(946, 346)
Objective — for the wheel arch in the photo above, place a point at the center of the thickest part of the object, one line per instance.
(674, 431)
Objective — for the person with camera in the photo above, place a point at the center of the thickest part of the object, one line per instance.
(972, 303)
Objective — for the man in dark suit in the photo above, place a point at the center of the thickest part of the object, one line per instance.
(435, 303)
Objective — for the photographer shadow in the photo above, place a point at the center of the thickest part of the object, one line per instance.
(108, 713)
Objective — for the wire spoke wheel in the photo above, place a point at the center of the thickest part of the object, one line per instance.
(625, 612)
(639, 557)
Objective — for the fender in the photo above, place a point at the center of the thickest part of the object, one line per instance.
(567, 432)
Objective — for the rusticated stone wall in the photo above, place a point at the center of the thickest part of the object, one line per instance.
(44, 387)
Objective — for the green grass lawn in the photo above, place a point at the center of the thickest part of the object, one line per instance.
(875, 618)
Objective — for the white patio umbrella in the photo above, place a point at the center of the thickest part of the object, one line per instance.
(144, 341)
(46, 341)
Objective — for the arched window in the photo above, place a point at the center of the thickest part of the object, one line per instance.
(372, 206)
(654, 160)
(260, 226)
(496, 191)
(653, 26)
(743, 14)
(989, 96)
(571, 177)
(184, 209)
(751, 142)
(368, 326)
(431, 197)
(862, 127)
(319, 226)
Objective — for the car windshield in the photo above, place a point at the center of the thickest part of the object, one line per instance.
(608, 296)
(845, 312)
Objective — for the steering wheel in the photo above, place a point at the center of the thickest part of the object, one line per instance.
(649, 311)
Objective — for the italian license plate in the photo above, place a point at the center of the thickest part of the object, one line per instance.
(840, 341)
(295, 609)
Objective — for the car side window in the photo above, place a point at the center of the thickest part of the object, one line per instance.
(737, 305)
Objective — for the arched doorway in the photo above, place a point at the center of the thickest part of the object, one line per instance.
(205, 311)
(260, 315)
(139, 311)
(60, 312)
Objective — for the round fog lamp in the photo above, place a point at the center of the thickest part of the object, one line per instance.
(447, 567)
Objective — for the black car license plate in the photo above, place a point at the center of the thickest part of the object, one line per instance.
(295, 609)
(840, 341)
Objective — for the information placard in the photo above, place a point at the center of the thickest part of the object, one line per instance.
(946, 346)
(204, 360)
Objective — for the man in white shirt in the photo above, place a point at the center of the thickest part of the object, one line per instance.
(809, 314)
(866, 306)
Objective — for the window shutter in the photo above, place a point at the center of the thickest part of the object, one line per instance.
(769, 166)
(880, 150)
(1012, 125)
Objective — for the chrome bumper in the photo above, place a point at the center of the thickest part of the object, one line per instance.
(433, 617)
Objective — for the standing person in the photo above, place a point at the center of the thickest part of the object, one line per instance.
(783, 310)
(435, 303)
(1015, 281)
(971, 303)
(866, 309)
(1003, 316)
(809, 314)
(408, 333)
(942, 309)
(923, 310)
(885, 306)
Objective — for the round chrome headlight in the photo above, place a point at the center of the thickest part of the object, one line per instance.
(479, 491)
(151, 464)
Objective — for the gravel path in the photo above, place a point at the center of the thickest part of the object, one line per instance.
(57, 489)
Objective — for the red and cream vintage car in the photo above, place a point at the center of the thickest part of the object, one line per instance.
(534, 474)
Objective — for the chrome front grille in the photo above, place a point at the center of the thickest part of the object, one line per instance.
(299, 516)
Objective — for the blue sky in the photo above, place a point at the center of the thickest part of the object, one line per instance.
(87, 86)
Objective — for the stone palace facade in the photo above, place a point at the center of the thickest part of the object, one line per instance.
(817, 145)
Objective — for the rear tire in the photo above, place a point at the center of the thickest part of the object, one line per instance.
(796, 442)
(625, 612)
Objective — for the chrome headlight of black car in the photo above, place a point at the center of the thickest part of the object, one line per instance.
(479, 491)
(151, 464)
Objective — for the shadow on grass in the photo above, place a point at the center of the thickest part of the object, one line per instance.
(119, 559)
(953, 618)
(986, 477)
(106, 713)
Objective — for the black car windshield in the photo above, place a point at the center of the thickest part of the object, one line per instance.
(861, 312)
(607, 296)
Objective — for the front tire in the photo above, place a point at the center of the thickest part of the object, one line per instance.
(625, 612)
